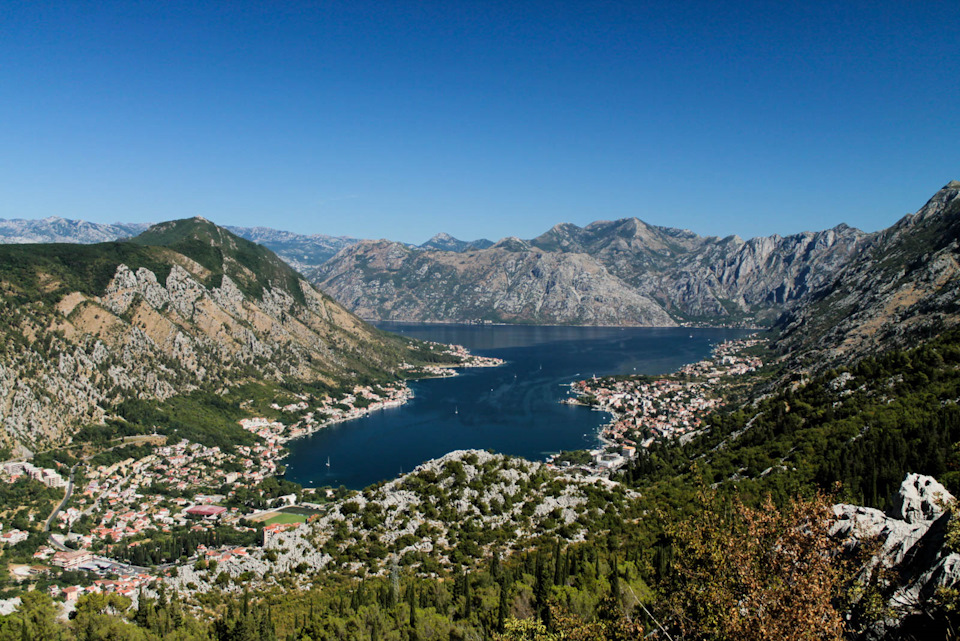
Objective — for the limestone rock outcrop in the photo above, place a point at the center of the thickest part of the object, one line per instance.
(912, 560)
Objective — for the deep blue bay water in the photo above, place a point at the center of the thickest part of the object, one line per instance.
(513, 409)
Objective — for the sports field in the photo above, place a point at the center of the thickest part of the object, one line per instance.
(284, 517)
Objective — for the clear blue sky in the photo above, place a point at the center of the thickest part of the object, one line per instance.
(481, 119)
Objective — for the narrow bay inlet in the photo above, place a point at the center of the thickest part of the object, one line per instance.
(513, 409)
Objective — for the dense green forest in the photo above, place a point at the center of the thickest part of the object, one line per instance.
(23, 498)
(863, 428)
(180, 543)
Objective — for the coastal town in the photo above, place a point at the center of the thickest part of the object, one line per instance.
(646, 409)
(178, 490)
(188, 491)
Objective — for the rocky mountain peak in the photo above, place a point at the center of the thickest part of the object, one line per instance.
(636, 226)
(939, 204)
(254, 268)
(565, 237)
(174, 231)
(444, 242)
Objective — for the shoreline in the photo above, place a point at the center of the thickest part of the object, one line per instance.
(403, 393)
(613, 443)
(701, 393)
(567, 325)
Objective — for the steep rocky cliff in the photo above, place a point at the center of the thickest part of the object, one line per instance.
(903, 285)
(696, 277)
(187, 304)
(607, 273)
(385, 280)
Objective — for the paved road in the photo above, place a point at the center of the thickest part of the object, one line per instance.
(63, 503)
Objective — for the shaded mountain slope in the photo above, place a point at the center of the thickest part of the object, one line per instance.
(903, 286)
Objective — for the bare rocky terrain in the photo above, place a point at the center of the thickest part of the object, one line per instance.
(624, 272)
(903, 287)
(468, 503)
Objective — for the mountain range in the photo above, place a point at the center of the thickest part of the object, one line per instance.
(860, 394)
(627, 272)
(624, 272)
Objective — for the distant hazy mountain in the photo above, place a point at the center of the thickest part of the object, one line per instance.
(302, 252)
(624, 272)
(61, 230)
(446, 242)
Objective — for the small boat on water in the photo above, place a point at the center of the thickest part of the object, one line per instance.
(328, 461)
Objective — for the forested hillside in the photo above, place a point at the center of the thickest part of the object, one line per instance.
(864, 427)
(185, 307)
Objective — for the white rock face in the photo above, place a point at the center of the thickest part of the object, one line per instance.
(154, 339)
(921, 500)
(912, 544)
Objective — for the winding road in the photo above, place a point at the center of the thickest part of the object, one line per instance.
(63, 503)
